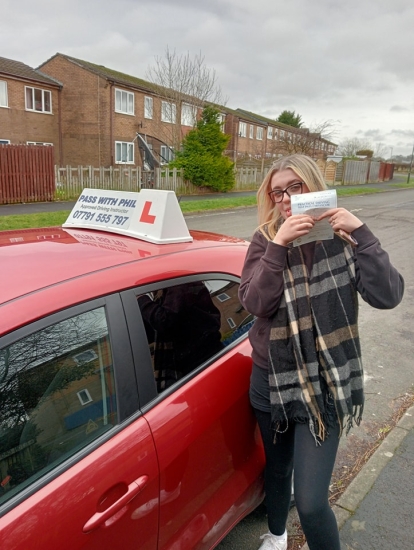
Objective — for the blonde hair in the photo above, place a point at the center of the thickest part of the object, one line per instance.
(305, 168)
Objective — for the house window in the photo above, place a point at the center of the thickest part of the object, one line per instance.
(188, 115)
(124, 102)
(222, 119)
(38, 100)
(3, 94)
(148, 107)
(168, 112)
(4, 141)
(84, 397)
(251, 131)
(85, 357)
(166, 154)
(38, 143)
(231, 323)
(269, 132)
(242, 129)
(223, 297)
(124, 152)
(259, 133)
(282, 134)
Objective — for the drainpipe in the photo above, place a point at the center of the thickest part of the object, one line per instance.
(60, 127)
(111, 122)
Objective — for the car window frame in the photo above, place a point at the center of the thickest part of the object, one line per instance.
(148, 395)
(124, 375)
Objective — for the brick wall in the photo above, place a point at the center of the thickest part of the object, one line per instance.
(20, 126)
(90, 125)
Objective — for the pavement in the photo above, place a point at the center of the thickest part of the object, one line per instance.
(376, 510)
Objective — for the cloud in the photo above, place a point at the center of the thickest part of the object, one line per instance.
(399, 109)
(326, 60)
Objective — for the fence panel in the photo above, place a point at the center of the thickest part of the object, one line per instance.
(374, 170)
(356, 171)
(26, 173)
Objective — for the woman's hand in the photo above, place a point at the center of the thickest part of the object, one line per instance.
(341, 218)
(294, 227)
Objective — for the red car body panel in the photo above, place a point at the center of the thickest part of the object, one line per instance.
(177, 475)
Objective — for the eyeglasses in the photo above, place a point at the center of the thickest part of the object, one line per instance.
(277, 194)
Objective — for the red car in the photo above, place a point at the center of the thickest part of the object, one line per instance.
(124, 371)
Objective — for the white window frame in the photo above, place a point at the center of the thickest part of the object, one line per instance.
(188, 115)
(222, 120)
(82, 399)
(92, 356)
(282, 134)
(130, 152)
(148, 107)
(168, 112)
(4, 101)
(38, 143)
(166, 153)
(43, 101)
(124, 102)
(251, 131)
(4, 141)
(259, 133)
(242, 129)
(231, 323)
(269, 132)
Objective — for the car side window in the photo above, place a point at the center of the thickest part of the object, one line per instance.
(57, 394)
(186, 324)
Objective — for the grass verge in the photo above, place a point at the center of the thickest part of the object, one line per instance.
(48, 219)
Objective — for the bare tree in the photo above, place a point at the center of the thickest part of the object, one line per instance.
(348, 147)
(185, 85)
(380, 150)
(305, 140)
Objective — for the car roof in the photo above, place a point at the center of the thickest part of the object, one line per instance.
(32, 259)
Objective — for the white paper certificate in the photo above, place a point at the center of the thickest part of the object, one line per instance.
(314, 204)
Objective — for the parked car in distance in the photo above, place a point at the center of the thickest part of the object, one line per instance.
(124, 372)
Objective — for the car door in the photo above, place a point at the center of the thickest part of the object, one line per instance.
(208, 448)
(77, 459)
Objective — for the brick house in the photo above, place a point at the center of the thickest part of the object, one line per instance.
(113, 118)
(29, 106)
(102, 117)
(277, 138)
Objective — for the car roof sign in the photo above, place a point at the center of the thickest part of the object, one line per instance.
(151, 215)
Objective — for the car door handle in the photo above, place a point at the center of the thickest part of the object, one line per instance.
(101, 517)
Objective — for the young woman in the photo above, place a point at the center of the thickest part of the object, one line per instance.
(307, 379)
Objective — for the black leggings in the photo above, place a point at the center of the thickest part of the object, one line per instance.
(313, 465)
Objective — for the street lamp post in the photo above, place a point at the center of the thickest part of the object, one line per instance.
(411, 165)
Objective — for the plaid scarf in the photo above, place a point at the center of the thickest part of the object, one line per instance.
(314, 336)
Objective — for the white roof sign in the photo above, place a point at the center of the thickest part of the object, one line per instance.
(150, 215)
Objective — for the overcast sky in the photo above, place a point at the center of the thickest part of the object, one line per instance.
(346, 61)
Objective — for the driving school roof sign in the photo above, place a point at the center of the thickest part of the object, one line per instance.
(150, 215)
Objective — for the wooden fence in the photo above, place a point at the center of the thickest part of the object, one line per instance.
(354, 172)
(26, 173)
(70, 181)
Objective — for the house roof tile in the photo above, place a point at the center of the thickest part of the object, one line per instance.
(17, 69)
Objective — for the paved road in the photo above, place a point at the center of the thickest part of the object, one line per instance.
(56, 206)
(386, 336)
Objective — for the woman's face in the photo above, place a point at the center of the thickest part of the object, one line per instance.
(280, 182)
